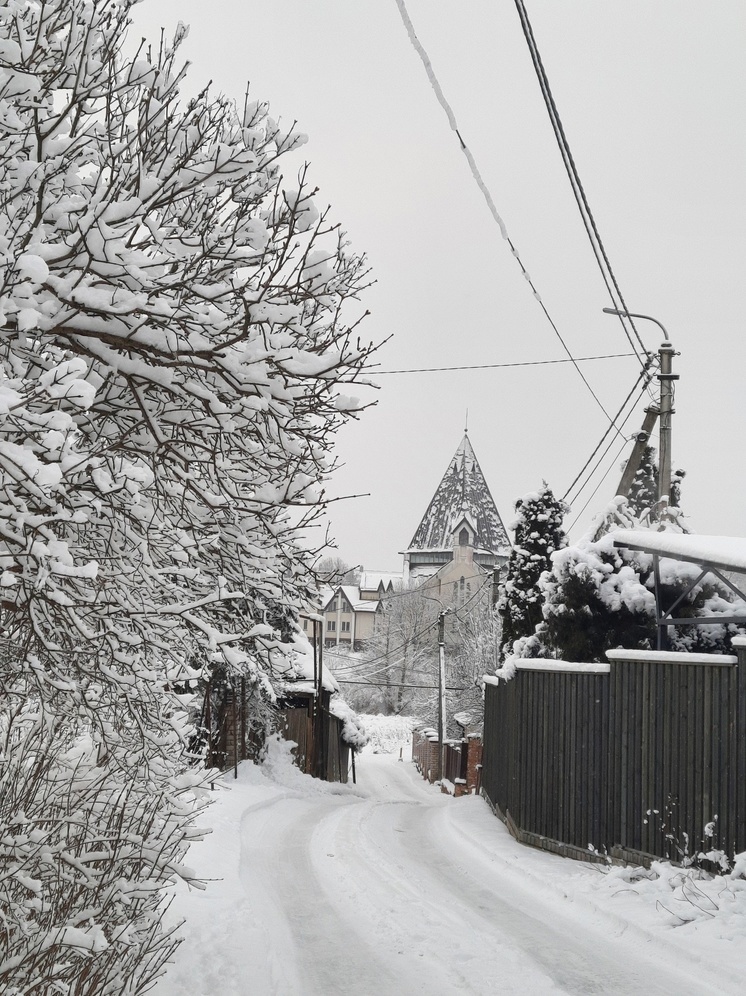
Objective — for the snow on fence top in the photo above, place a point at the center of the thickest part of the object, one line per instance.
(536, 664)
(668, 657)
(723, 552)
(514, 664)
(545, 665)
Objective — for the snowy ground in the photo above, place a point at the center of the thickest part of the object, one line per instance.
(391, 888)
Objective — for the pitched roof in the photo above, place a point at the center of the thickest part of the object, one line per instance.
(352, 595)
(370, 580)
(463, 492)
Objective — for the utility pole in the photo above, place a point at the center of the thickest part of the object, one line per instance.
(441, 688)
(666, 378)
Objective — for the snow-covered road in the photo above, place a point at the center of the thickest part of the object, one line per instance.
(391, 888)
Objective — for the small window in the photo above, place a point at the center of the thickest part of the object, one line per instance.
(463, 537)
(345, 627)
(305, 624)
(331, 625)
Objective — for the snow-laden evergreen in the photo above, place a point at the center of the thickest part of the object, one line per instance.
(174, 363)
(598, 597)
(643, 492)
(538, 534)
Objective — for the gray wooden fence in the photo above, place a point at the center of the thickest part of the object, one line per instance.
(644, 756)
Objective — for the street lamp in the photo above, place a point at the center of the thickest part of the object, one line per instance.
(665, 377)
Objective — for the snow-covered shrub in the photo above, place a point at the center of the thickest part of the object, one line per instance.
(173, 352)
(598, 597)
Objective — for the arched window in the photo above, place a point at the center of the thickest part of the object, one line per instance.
(463, 537)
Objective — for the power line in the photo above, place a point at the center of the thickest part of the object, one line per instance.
(399, 684)
(589, 222)
(498, 366)
(435, 85)
(593, 493)
(356, 666)
(644, 376)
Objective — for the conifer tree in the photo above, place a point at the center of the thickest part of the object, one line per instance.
(538, 534)
(599, 597)
(643, 492)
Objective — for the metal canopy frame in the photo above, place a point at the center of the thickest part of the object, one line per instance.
(665, 619)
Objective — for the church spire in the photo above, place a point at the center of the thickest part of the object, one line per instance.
(462, 492)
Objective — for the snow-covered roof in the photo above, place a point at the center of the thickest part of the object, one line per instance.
(462, 492)
(352, 594)
(370, 580)
(725, 553)
(366, 605)
(326, 594)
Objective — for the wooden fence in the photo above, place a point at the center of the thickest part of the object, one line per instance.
(320, 748)
(643, 756)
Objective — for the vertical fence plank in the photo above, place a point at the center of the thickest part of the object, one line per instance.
(581, 757)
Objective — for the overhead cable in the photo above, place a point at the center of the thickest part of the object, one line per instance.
(418, 47)
(589, 222)
(593, 493)
(497, 366)
(643, 376)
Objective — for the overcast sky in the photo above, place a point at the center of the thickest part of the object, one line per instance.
(651, 95)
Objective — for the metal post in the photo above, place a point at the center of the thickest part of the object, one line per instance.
(441, 689)
(661, 642)
(242, 714)
(666, 378)
(235, 729)
(208, 724)
(322, 721)
(311, 762)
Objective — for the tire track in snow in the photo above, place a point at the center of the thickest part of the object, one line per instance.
(392, 889)
(325, 949)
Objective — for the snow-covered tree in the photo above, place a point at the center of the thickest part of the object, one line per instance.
(473, 650)
(598, 597)
(538, 533)
(174, 362)
(333, 570)
(643, 492)
(403, 651)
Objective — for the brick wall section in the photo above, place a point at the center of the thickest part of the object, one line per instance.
(425, 756)
(473, 748)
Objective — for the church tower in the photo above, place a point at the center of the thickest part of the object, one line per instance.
(461, 526)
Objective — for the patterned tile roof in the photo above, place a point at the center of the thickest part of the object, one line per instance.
(462, 494)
